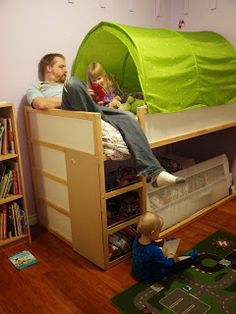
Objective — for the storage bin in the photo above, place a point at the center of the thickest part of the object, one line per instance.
(206, 183)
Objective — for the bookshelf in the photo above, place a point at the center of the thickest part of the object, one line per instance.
(14, 226)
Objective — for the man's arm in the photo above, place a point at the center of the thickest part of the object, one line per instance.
(46, 102)
(44, 97)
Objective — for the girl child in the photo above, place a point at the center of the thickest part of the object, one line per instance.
(99, 82)
(149, 263)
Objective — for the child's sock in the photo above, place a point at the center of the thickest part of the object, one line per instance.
(165, 178)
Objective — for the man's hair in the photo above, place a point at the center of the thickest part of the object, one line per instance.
(149, 222)
(48, 59)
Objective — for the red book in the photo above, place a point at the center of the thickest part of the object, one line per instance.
(100, 92)
(15, 182)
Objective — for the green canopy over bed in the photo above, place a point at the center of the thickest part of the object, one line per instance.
(174, 70)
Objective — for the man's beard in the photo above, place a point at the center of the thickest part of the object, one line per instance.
(61, 79)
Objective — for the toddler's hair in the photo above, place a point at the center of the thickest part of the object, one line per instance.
(148, 222)
(96, 69)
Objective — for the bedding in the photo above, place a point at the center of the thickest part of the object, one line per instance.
(174, 70)
(114, 146)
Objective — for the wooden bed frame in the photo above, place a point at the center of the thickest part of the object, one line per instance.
(68, 170)
(167, 128)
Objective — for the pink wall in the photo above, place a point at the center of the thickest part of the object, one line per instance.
(201, 15)
(30, 29)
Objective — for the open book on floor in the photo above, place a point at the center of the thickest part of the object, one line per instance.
(170, 247)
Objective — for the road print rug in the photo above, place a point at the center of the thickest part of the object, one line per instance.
(208, 287)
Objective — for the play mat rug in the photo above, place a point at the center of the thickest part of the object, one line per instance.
(208, 287)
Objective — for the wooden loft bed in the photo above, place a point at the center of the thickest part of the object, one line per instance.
(167, 128)
(68, 170)
(69, 182)
(170, 128)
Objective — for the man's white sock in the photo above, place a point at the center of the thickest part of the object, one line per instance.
(166, 178)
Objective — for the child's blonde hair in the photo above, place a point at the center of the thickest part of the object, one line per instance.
(96, 69)
(149, 222)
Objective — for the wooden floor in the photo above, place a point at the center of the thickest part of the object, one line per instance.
(64, 282)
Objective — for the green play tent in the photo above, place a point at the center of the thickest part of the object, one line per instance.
(174, 70)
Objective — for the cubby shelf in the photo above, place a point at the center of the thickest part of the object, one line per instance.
(7, 239)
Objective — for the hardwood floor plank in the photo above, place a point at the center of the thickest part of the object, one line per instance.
(65, 282)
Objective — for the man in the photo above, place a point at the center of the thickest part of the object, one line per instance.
(73, 95)
(47, 94)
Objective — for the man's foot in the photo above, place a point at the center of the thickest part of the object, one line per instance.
(166, 178)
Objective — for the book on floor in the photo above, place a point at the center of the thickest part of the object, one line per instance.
(23, 259)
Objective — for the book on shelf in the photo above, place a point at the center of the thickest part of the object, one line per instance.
(13, 221)
(9, 186)
(10, 223)
(2, 169)
(15, 230)
(11, 142)
(1, 135)
(18, 218)
(4, 139)
(3, 184)
(7, 142)
(9, 183)
(15, 182)
(23, 259)
(14, 166)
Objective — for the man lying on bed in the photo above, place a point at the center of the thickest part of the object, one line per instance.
(54, 91)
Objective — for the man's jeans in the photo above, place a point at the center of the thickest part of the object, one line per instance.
(76, 97)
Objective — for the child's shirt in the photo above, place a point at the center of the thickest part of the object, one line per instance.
(109, 96)
(148, 262)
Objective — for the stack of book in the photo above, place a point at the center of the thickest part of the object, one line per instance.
(13, 221)
(8, 178)
(7, 145)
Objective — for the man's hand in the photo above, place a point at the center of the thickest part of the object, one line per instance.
(46, 102)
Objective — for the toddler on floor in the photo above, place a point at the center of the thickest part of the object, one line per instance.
(149, 263)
